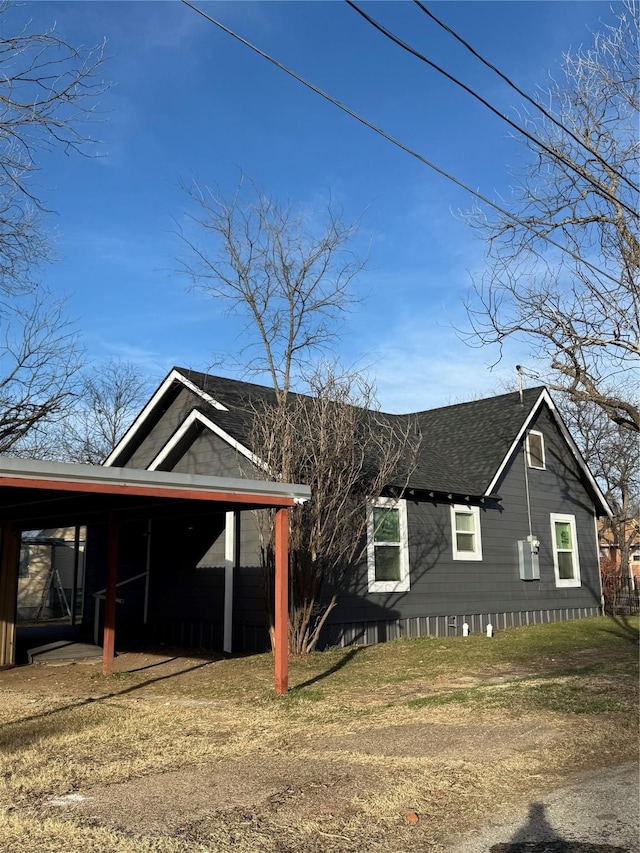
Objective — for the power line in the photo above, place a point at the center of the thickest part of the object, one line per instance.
(558, 155)
(397, 142)
(527, 97)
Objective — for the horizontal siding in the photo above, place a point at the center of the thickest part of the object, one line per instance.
(441, 585)
(162, 431)
(210, 454)
(179, 584)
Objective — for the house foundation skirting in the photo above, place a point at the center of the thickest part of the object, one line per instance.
(370, 633)
(254, 639)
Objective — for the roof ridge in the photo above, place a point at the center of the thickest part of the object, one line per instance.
(189, 372)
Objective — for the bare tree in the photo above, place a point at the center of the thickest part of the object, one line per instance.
(39, 361)
(291, 282)
(47, 91)
(578, 306)
(288, 279)
(337, 442)
(110, 396)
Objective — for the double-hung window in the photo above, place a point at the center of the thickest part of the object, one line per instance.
(388, 551)
(465, 532)
(565, 550)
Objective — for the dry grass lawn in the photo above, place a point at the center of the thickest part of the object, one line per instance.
(192, 754)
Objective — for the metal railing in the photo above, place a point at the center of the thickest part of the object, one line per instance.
(100, 595)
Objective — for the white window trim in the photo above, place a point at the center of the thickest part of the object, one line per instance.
(544, 457)
(404, 584)
(466, 555)
(571, 520)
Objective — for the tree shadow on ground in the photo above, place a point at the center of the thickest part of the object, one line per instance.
(548, 840)
(624, 627)
(344, 660)
(30, 728)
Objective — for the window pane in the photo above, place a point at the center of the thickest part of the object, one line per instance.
(386, 524)
(563, 535)
(23, 571)
(535, 451)
(565, 565)
(464, 542)
(464, 522)
(387, 563)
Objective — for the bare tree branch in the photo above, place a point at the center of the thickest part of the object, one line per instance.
(336, 441)
(586, 327)
(613, 455)
(39, 360)
(291, 282)
(110, 395)
(48, 93)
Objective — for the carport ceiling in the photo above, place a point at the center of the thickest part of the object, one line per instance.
(36, 494)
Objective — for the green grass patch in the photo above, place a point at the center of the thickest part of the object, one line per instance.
(581, 693)
(551, 647)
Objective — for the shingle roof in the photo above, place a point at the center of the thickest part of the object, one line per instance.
(462, 446)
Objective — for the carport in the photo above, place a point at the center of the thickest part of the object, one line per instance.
(36, 494)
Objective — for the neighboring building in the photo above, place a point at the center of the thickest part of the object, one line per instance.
(497, 523)
(49, 574)
(610, 549)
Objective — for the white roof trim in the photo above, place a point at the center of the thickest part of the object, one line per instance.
(70, 472)
(174, 376)
(197, 417)
(545, 397)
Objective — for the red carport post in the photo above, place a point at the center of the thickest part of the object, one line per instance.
(109, 640)
(281, 633)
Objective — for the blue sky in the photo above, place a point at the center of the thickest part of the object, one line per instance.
(188, 102)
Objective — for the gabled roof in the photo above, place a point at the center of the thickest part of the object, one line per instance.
(463, 451)
(464, 445)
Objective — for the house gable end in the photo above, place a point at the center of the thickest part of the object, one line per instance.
(203, 450)
(153, 412)
(546, 402)
(192, 426)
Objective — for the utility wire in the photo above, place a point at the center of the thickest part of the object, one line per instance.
(527, 97)
(397, 142)
(599, 186)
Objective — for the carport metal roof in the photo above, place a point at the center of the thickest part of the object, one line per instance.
(36, 494)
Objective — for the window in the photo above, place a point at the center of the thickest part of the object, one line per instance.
(535, 450)
(565, 550)
(387, 551)
(23, 570)
(465, 532)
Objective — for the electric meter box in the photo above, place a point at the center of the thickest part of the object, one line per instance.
(528, 561)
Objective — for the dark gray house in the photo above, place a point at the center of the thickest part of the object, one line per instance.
(497, 524)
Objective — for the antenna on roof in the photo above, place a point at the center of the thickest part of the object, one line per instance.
(519, 372)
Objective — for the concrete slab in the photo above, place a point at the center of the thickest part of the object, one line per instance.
(64, 651)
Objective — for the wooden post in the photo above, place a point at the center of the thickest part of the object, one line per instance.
(9, 562)
(108, 643)
(281, 638)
